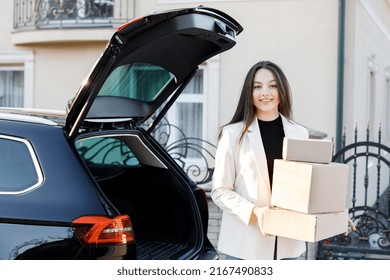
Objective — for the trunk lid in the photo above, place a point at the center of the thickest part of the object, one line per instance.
(146, 65)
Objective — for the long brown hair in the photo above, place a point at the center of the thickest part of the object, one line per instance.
(246, 111)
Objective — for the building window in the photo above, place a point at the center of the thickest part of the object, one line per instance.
(11, 86)
(190, 127)
(196, 110)
(16, 79)
(188, 112)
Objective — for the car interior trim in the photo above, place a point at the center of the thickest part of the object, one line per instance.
(143, 154)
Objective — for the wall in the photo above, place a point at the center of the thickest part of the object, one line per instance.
(299, 35)
(60, 69)
(368, 44)
(366, 99)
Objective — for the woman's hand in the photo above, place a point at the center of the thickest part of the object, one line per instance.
(259, 214)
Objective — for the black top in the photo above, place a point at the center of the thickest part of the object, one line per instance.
(272, 134)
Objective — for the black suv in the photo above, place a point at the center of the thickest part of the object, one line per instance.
(99, 185)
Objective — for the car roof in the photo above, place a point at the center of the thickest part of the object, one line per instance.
(36, 116)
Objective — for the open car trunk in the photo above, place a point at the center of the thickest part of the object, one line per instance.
(164, 215)
(145, 67)
(161, 219)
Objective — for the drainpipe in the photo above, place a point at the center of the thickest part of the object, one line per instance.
(340, 75)
(134, 14)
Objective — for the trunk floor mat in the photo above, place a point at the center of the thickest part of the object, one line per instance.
(155, 250)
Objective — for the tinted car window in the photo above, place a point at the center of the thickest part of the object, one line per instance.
(19, 169)
(137, 81)
(106, 150)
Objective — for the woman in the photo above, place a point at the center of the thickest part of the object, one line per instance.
(242, 178)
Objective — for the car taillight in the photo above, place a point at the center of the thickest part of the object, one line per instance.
(104, 230)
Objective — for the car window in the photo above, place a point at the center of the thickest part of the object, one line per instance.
(139, 81)
(19, 168)
(106, 150)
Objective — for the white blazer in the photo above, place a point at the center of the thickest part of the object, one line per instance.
(240, 182)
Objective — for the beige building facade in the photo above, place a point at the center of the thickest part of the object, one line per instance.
(335, 54)
(302, 36)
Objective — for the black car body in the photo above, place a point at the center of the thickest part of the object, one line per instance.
(100, 186)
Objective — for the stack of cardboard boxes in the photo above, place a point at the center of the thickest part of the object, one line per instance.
(308, 193)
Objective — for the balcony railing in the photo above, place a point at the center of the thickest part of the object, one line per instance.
(59, 14)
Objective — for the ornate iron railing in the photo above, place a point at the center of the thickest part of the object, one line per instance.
(58, 14)
(371, 239)
(194, 155)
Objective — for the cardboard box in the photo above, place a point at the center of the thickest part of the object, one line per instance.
(305, 227)
(310, 187)
(310, 150)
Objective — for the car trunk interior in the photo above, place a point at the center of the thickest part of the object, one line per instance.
(160, 205)
(161, 219)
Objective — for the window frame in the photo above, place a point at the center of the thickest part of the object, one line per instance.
(210, 114)
(14, 68)
(37, 166)
(209, 99)
(24, 61)
(191, 98)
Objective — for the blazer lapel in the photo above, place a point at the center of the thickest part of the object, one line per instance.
(289, 129)
(257, 147)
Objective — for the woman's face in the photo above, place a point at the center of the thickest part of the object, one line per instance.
(265, 95)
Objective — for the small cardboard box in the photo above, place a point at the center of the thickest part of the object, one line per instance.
(309, 187)
(309, 150)
(305, 227)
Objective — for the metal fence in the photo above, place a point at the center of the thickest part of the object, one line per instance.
(369, 204)
(59, 14)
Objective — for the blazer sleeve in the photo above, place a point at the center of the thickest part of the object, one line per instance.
(223, 189)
